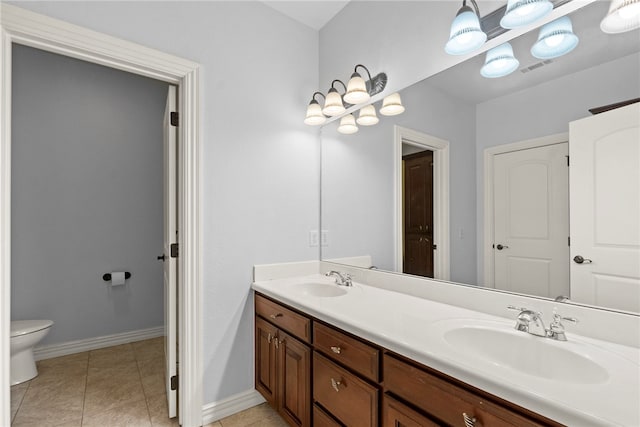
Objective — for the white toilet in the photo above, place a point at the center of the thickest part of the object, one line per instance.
(25, 334)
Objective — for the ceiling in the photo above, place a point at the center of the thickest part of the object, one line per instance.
(312, 13)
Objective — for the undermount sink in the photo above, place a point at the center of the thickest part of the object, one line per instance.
(536, 356)
(322, 290)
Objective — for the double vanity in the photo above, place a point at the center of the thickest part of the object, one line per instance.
(330, 354)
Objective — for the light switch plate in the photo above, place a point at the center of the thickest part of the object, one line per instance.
(313, 238)
(324, 238)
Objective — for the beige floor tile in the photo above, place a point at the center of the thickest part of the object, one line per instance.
(111, 356)
(215, 424)
(133, 414)
(108, 395)
(17, 393)
(58, 368)
(69, 393)
(158, 411)
(153, 385)
(151, 367)
(149, 349)
(63, 415)
(251, 417)
(65, 360)
(125, 371)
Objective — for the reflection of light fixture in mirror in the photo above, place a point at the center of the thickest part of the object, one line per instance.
(466, 34)
(357, 88)
(524, 12)
(314, 112)
(333, 103)
(499, 62)
(367, 116)
(392, 105)
(624, 15)
(555, 39)
(348, 125)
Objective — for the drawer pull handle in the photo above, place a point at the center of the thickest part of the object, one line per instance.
(269, 337)
(468, 420)
(278, 342)
(336, 384)
(275, 316)
(336, 350)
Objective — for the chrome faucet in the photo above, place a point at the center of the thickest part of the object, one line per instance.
(531, 322)
(341, 280)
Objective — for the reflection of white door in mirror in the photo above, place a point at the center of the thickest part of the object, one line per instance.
(605, 209)
(530, 219)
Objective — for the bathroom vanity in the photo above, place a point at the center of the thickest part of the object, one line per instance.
(328, 355)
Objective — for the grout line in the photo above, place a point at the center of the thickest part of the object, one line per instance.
(84, 395)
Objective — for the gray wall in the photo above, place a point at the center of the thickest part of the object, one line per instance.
(86, 195)
(548, 109)
(260, 162)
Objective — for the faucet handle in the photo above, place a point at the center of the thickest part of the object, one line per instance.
(523, 309)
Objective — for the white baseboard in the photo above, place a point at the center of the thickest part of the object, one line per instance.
(78, 346)
(217, 410)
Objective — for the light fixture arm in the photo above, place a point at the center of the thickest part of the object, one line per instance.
(475, 6)
(313, 97)
(341, 82)
(355, 70)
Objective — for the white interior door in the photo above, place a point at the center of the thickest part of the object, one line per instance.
(170, 263)
(605, 209)
(531, 221)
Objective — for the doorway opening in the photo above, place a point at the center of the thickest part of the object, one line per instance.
(422, 225)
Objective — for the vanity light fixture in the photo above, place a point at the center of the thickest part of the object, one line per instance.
(333, 102)
(499, 62)
(524, 12)
(623, 16)
(348, 125)
(555, 39)
(367, 116)
(357, 92)
(392, 105)
(314, 112)
(466, 34)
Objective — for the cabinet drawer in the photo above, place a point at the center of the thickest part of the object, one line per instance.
(321, 419)
(396, 414)
(348, 398)
(444, 400)
(292, 322)
(355, 354)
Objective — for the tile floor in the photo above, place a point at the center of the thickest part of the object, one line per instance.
(110, 387)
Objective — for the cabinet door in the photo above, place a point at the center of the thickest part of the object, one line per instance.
(266, 379)
(294, 376)
(395, 414)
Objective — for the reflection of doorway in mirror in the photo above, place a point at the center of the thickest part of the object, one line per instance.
(434, 207)
(417, 190)
(529, 214)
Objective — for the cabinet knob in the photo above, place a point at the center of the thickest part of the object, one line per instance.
(336, 350)
(469, 421)
(275, 316)
(336, 384)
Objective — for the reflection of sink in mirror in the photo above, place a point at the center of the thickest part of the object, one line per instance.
(322, 290)
(535, 356)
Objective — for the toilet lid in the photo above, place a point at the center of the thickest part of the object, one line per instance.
(22, 327)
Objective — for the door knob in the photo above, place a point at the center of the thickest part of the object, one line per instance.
(501, 247)
(162, 257)
(578, 259)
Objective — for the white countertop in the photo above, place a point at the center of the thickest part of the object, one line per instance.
(409, 326)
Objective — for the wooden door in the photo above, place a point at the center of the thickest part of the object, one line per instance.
(266, 367)
(531, 221)
(605, 209)
(418, 213)
(294, 376)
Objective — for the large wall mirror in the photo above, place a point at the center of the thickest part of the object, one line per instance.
(474, 176)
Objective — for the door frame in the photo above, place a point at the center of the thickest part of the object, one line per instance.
(440, 148)
(24, 27)
(489, 154)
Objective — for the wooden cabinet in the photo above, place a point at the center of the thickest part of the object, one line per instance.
(283, 363)
(396, 414)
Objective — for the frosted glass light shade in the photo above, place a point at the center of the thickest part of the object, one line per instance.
(356, 90)
(524, 12)
(367, 116)
(348, 125)
(624, 15)
(466, 34)
(314, 114)
(499, 62)
(392, 105)
(555, 39)
(333, 104)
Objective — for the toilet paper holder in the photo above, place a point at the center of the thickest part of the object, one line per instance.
(107, 276)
